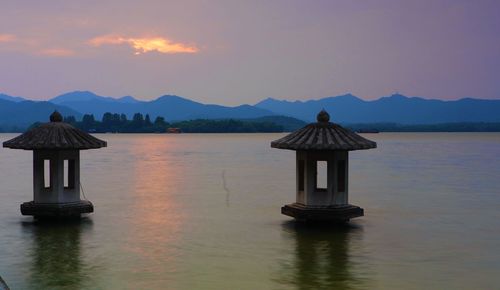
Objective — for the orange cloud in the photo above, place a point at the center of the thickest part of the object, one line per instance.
(33, 46)
(7, 37)
(143, 45)
(57, 52)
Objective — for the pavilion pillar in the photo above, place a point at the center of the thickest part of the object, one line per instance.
(301, 177)
(310, 172)
(340, 178)
(71, 190)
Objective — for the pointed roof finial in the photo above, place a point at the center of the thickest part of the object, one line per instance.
(56, 117)
(323, 117)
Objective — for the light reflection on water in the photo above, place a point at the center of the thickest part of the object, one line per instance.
(202, 211)
(158, 216)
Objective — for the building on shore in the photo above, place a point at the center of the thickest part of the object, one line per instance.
(174, 130)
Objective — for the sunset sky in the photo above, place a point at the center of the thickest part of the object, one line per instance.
(233, 52)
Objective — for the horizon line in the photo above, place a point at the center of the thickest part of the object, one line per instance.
(292, 99)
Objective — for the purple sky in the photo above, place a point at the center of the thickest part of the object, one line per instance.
(233, 52)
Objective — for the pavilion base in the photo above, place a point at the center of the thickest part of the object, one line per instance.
(57, 210)
(322, 214)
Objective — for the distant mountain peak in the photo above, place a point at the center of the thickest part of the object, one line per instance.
(173, 98)
(347, 96)
(244, 106)
(267, 100)
(80, 93)
(11, 98)
(170, 97)
(75, 96)
(85, 96)
(398, 96)
(127, 99)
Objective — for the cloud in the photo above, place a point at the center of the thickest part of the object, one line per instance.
(33, 46)
(139, 45)
(7, 37)
(144, 45)
(57, 52)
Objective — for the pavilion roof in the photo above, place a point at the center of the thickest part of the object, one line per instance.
(323, 135)
(55, 135)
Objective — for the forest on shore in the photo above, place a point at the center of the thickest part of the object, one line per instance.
(119, 123)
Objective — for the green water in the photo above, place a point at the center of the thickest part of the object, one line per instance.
(194, 211)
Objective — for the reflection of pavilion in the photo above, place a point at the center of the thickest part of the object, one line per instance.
(322, 258)
(3, 285)
(56, 255)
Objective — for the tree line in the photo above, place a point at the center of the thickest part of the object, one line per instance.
(119, 123)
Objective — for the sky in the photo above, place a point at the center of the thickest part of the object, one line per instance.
(234, 52)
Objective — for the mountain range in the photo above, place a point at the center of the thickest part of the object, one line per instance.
(172, 108)
(20, 112)
(18, 115)
(395, 108)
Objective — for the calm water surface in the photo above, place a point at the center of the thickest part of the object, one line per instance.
(203, 212)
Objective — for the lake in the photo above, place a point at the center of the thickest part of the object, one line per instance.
(202, 211)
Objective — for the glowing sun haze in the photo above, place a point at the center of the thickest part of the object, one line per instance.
(142, 45)
(234, 52)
